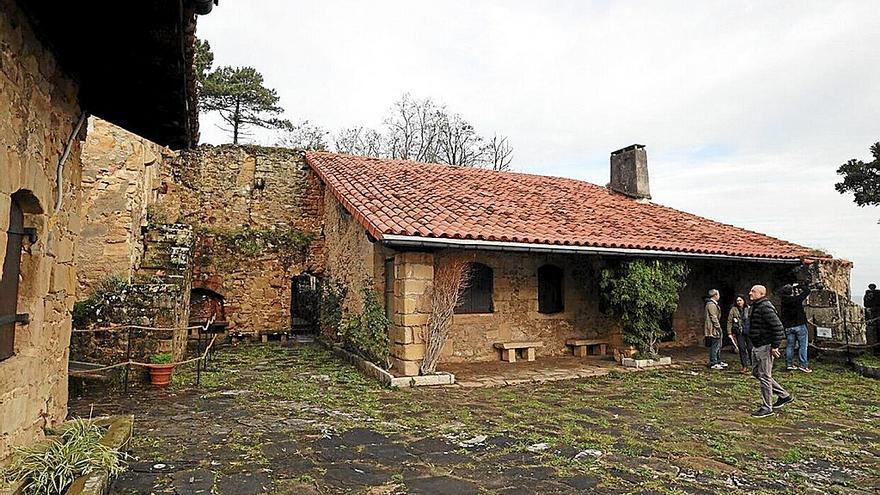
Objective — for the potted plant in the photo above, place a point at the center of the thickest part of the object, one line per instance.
(640, 295)
(161, 368)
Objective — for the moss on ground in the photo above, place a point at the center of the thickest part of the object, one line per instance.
(645, 429)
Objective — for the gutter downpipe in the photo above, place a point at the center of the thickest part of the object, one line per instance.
(59, 171)
(415, 241)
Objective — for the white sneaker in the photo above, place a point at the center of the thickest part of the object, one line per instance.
(723, 364)
(717, 367)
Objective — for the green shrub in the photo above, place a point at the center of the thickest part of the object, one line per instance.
(641, 294)
(49, 468)
(367, 333)
(161, 358)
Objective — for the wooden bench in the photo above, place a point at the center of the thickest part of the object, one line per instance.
(526, 350)
(582, 347)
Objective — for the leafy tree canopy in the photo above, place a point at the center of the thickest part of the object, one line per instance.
(862, 179)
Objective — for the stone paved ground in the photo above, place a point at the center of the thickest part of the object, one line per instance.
(294, 420)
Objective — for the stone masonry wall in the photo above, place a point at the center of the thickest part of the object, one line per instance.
(515, 299)
(38, 112)
(227, 191)
(120, 179)
(352, 260)
(831, 306)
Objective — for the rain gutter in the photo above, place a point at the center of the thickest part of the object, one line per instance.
(405, 241)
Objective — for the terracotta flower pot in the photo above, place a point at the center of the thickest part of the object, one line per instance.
(160, 374)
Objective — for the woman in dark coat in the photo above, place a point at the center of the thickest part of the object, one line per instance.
(738, 329)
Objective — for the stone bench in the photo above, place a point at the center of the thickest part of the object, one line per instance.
(582, 347)
(526, 350)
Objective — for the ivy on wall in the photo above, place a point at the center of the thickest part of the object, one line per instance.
(641, 294)
(331, 315)
(232, 247)
(366, 333)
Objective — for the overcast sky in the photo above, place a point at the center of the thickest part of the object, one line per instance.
(746, 108)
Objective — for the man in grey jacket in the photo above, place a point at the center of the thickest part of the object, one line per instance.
(712, 329)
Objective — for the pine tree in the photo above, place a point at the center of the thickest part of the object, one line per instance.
(237, 94)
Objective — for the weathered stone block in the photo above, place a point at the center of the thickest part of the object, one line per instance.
(408, 352)
(402, 367)
(419, 271)
(400, 335)
(413, 319)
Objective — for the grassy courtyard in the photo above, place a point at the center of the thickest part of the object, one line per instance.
(277, 419)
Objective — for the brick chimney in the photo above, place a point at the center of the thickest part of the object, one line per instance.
(629, 172)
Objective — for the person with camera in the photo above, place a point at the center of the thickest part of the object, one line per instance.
(766, 333)
(794, 319)
(738, 330)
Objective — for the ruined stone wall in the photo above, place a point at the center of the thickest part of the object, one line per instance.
(233, 196)
(831, 306)
(120, 180)
(38, 112)
(157, 296)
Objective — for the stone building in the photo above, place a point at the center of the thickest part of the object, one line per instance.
(536, 246)
(50, 80)
(273, 225)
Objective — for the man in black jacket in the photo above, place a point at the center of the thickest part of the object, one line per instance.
(766, 333)
(794, 319)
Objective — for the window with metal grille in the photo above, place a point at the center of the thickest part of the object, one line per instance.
(9, 282)
(550, 296)
(477, 296)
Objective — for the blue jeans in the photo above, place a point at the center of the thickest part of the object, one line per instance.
(715, 351)
(796, 334)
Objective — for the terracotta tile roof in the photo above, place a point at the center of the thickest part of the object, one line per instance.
(393, 197)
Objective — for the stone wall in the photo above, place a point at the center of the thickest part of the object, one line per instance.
(352, 259)
(232, 195)
(38, 113)
(120, 181)
(515, 300)
(831, 306)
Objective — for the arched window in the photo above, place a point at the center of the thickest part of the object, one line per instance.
(477, 295)
(550, 296)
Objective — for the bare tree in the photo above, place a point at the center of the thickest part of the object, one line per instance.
(304, 136)
(450, 280)
(458, 142)
(422, 130)
(359, 140)
(497, 154)
(412, 129)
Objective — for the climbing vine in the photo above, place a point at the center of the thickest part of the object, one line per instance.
(232, 247)
(331, 314)
(366, 333)
(641, 294)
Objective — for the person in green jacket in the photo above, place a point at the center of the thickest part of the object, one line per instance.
(738, 330)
